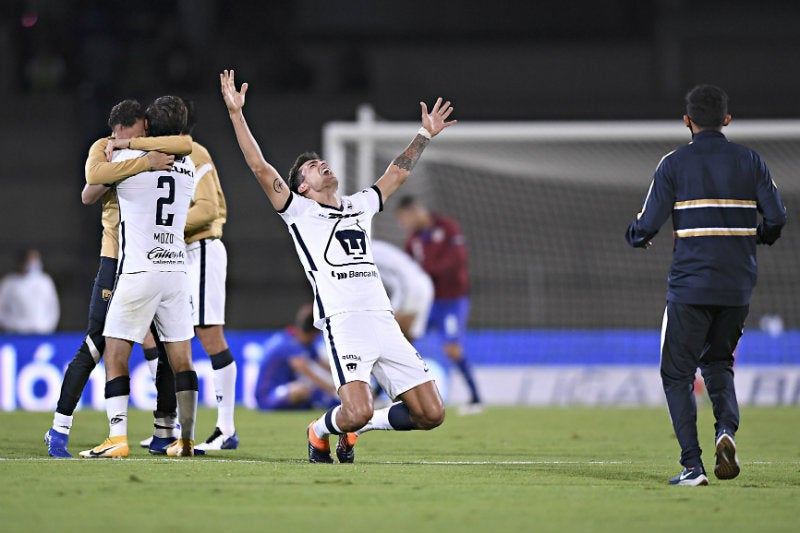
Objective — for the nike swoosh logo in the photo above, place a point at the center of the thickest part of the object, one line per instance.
(101, 452)
(687, 474)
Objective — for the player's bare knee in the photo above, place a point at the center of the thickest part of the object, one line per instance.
(354, 417)
(430, 418)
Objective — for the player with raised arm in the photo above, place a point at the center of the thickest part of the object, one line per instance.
(126, 120)
(332, 240)
(152, 283)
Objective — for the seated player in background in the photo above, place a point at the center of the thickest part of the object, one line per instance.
(126, 120)
(292, 375)
(437, 243)
(410, 289)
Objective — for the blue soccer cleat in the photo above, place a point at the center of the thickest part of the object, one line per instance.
(159, 445)
(57, 444)
(691, 477)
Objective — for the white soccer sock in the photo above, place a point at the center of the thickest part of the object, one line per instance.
(117, 412)
(62, 423)
(379, 420)
(225, 388)
(321, 428)
(152, 364)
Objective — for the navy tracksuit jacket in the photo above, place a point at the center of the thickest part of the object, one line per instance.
(714, 189)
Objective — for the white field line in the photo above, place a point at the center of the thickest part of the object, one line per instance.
(246, 461)
(421, 463)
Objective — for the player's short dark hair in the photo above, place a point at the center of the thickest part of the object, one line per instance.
(166, 116)
(707, 106)
(295, 177)
(304, 321)
(191, 116)
(125, 113)
(406, 202)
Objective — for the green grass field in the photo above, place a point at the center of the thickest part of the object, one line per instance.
(506, 469)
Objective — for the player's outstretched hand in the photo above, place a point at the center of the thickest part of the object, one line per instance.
(436, 120)
(234, 99)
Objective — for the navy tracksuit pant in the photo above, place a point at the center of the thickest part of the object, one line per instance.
(703, 336)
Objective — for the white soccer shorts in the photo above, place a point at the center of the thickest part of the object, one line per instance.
(370, 342)
(145, 297)
(207, 264)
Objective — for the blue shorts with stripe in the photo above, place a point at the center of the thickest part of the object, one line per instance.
(449, 317)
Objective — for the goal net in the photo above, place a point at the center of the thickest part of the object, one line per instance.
(544, 207)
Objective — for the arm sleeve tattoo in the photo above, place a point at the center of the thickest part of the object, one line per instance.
(410, 156)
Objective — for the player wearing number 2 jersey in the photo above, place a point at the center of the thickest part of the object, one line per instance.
(126, 120)
(332, 239)
(152, 284)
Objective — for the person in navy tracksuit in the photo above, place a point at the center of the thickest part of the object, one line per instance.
(715, 190)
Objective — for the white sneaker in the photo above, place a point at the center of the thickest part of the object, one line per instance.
(219, 441)
(471, 409)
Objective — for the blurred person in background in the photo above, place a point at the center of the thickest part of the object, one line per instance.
(28, 297)
(292, 375)
(437, 243)
(410, 289)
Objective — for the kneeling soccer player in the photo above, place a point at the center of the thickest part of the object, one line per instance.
(332, 239)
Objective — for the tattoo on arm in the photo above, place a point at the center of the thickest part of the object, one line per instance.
(410, 156)
(277, 185)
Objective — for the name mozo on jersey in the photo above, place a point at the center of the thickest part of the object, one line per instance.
(164, 237)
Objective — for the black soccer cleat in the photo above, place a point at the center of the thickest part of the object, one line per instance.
(346, 448)
(319, 450)
(727, 466)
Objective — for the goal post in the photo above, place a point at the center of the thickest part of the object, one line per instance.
(544, 207)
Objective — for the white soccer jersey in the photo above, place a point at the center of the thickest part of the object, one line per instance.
(334, 247)
(401, 275)
(153, 207)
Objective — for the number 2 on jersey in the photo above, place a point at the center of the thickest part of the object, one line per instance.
(169, 183)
